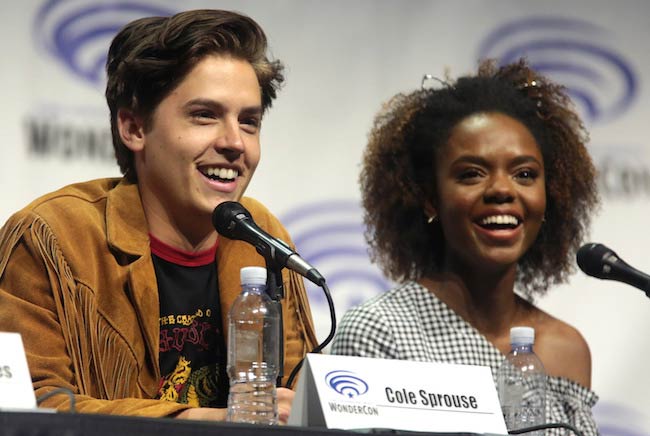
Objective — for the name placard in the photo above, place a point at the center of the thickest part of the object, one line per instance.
(349, 393)
(16, 391)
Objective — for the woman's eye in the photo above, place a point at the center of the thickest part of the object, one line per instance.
(527, 174)
(469, 174)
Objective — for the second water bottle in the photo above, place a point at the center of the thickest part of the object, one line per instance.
(521, 383)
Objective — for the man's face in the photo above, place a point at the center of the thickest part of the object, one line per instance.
(202, 146)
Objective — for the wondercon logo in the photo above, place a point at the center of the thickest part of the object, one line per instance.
(346, 383)
(78, 32)
(617, 420)
(576, 53)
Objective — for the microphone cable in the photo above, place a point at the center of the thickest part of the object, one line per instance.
(323, 344)
(57, 391)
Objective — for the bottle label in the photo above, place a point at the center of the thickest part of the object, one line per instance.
(247, 345)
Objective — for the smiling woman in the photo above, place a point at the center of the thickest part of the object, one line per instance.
(477, 196)
(491, 195)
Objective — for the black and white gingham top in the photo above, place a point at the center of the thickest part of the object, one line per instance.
(411, 323)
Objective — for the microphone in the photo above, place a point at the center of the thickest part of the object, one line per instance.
(233, 221)
(602, 262)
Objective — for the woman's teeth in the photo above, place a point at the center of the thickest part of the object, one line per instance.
(501, 220)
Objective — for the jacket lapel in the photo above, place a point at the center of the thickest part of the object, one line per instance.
(127, 234)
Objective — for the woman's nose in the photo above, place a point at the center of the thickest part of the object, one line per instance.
(500, 189)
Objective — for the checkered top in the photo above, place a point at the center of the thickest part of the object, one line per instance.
(411, 323)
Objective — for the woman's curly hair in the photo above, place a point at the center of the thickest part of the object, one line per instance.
(398, 174)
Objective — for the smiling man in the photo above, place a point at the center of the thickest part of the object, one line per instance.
(120, 287)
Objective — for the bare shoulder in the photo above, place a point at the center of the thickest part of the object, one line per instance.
(562, 348)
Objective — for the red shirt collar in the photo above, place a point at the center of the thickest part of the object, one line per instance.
(181, 257)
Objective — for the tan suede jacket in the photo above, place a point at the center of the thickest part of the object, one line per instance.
(77, 282)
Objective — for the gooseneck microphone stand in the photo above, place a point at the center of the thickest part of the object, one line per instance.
(233, 221)
(275, 291)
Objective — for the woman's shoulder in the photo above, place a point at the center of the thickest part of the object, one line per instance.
(562, 348)
(395, 299)
(386, 311)
(377, 327)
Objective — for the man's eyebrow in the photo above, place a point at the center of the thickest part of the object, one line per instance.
(252, 110)
(214, 104)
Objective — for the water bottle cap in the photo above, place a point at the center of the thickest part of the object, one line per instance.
(253, 275)
(522, 335)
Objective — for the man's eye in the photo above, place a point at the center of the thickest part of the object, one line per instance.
(250, 125)
(255, 122)
(203, 114)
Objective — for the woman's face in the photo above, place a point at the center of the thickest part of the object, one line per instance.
(491, 196)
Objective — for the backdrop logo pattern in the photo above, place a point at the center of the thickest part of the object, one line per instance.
(618, 420)
(78, 33)
(346, 383)
(574, 52)
(329, 235)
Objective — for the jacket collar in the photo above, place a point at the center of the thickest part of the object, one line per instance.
(126, 224)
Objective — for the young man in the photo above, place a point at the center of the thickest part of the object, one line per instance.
(120, 288)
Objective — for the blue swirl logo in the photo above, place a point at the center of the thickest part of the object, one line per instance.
(78, 34)
(346, 383)
(573, 52)
(329, 235)
(615, 419)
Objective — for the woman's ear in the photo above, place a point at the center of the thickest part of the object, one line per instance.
(131, 129)
(430, 211)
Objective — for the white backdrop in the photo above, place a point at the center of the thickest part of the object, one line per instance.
(343, 59)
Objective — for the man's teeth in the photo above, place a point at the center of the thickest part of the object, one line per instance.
(500, 219)
(222, 173)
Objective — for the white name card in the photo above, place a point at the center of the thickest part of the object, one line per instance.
(16, 391)
(348, 393)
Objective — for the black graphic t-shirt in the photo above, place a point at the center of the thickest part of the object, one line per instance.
(192, 345)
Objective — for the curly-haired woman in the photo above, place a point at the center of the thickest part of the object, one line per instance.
(477, 195)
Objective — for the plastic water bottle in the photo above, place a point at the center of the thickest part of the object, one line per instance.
(521, 383)
(253, 352)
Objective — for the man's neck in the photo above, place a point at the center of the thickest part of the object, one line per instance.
(187, 235)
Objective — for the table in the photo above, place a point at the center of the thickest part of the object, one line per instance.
(77, 424)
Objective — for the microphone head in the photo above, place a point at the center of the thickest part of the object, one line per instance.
(592, 257)
(226, 216)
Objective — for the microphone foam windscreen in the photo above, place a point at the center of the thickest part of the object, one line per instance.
(590, 258)
(224, 217)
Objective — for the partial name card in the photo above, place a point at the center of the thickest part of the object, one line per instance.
(16, 391)
(346, 392)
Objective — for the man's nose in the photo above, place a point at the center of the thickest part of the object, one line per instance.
(230, 137)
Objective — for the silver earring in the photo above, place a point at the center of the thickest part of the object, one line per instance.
(431, 219)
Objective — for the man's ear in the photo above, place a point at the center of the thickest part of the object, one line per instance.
(131, 129)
